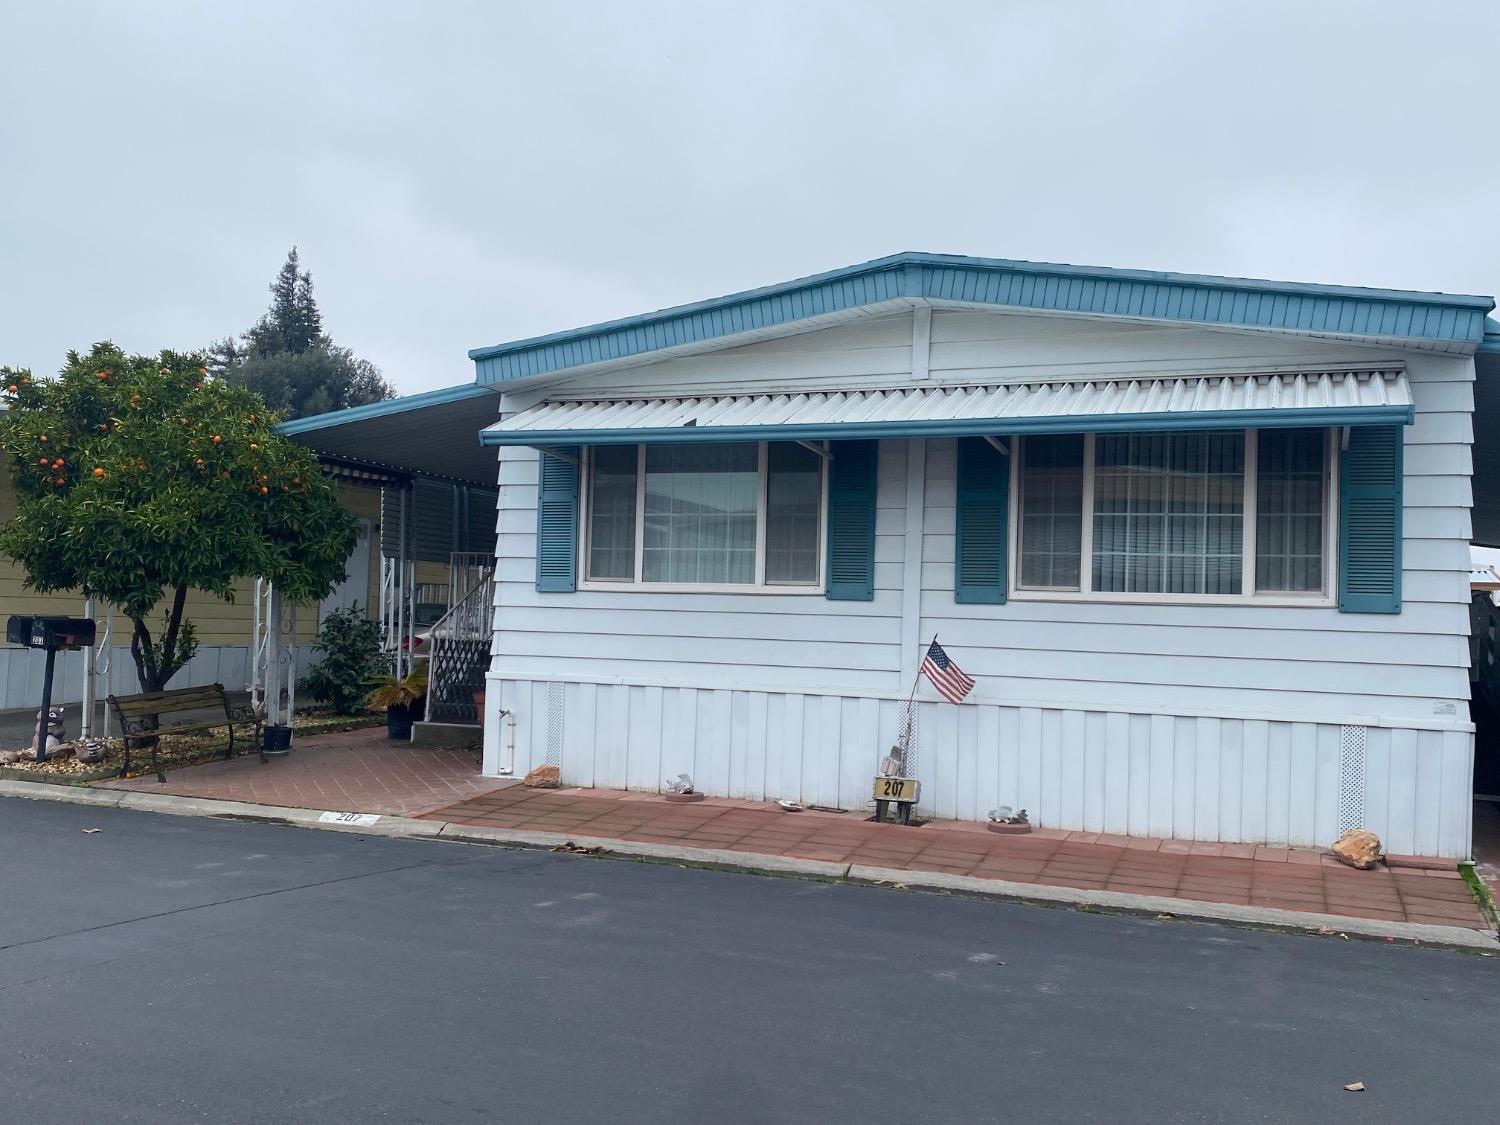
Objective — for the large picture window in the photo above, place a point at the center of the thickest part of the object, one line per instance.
(732, 515)
(1214, 515)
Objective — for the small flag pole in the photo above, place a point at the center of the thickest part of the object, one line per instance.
(911, 702)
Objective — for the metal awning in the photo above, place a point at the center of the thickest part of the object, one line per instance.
(1196, 402)
(432, 434)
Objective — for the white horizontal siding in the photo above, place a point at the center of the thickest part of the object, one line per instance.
(766, 639)
(1195, 778)
(1311, 660)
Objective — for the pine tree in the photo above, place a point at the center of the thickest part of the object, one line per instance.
(289, 360)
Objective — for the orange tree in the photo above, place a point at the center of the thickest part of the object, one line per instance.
(139, 478)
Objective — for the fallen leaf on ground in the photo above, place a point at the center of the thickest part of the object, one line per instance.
(577, 849)
(91, 831)
(1165, 917)
(1355, 1087)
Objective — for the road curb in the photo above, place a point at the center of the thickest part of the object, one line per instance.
(1455, 937)
(1186, 908)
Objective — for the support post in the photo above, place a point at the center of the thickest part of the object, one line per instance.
(42, 724)
(90, 670)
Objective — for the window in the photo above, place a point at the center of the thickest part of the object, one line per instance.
(1221, 514)
(744, 514)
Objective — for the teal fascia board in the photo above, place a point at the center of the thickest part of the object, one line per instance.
(966, 427)
(384, 409)
(1490, 343)
(1421, 318)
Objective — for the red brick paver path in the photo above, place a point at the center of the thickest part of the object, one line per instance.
(359, 771)
(1281, 878)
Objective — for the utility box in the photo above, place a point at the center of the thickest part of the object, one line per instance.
(49, 632)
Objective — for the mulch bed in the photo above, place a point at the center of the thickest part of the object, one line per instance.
(175, 751)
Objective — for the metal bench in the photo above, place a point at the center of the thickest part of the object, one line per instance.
(140, 717)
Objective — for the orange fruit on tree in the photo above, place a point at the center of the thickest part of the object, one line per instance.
(42, 438)
(264, 490)
(217, 439)
(42, 461)
(12, 389)
(99, 472)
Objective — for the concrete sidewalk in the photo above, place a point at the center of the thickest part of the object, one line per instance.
(1410, 890)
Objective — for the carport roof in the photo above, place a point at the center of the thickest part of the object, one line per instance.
(433, 434)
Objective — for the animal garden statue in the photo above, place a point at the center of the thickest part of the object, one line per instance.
(54, 739)
(54, 730)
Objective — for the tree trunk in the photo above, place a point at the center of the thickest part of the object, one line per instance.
(157, 661)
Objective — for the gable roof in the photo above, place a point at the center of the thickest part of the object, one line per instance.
(1431, 321)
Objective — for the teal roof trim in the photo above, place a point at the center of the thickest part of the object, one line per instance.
(1489, 344)
(1422, 318)
(963, 427)
(384, 409)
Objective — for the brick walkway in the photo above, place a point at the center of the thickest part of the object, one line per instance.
(359, 771)
(1231, 873)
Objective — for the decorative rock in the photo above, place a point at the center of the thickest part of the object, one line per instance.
(1358, 847)
(544, 777)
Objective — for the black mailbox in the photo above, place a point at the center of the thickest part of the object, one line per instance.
(49, 632)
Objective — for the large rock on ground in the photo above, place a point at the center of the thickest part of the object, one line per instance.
(544, 777)
(1358, 847)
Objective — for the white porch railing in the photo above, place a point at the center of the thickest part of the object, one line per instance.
(459, 648)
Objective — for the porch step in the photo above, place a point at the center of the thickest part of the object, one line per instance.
(445, 734)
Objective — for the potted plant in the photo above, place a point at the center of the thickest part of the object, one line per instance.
(398, 697)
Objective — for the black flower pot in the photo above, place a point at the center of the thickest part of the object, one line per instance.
(275, 741)
(398, 721)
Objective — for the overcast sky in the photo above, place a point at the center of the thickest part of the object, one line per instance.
(460, 174)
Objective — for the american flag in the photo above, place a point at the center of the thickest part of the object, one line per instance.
(950, 680)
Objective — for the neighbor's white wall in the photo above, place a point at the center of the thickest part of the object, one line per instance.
(21, 674)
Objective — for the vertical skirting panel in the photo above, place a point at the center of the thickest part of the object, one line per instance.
(1197, 778)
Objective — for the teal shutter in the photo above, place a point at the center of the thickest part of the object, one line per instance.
(557, 523)
(1370, 521)
(980, 527)
(851, 521)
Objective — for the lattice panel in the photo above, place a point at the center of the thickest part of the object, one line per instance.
(554, 723)
(910, 712)
(1351, 777)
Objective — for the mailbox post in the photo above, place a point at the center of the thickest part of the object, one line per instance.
(52, 634)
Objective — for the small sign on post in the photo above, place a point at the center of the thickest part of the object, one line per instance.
(900, 791)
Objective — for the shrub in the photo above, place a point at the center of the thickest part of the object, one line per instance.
(351, 657)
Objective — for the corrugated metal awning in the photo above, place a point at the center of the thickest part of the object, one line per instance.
(1196, 402)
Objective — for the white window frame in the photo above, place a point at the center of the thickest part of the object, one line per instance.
(1326, 597)
(636, 585)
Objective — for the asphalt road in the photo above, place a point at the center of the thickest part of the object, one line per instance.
(168, 970)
